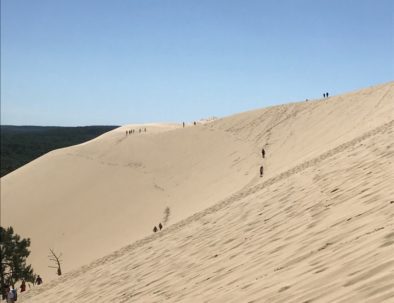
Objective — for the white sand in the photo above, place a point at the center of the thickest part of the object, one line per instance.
(318, 227)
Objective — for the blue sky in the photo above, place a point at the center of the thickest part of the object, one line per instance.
(90, 62)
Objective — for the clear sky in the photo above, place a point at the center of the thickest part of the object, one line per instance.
(89, 62)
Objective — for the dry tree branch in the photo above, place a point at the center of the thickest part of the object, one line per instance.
(57, 259)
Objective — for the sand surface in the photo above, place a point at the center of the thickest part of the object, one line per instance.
(318, 227)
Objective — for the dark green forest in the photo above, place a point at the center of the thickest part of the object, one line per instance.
(22, 144)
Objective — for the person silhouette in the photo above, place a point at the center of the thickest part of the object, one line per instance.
(261, 170)
(23, 286)
(38, 280)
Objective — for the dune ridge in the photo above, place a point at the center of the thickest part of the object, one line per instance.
(115, 263)
(316, 152)
(244, 193)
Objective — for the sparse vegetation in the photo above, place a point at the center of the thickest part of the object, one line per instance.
(57, 260)
(166, 217)
(14, 252)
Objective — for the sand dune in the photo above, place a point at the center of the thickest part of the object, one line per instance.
(318, 227)
(115, 189)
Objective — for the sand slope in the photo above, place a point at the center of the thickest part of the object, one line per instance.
(88, 200)
(321, 232)
(317, 226)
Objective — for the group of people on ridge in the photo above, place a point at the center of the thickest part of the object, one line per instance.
(132, 131)
(183, 124)
(10, 294)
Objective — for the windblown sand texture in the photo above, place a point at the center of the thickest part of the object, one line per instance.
(318, 227)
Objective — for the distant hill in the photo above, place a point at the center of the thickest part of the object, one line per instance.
(22, 144)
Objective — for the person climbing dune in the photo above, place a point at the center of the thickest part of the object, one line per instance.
(38, 280)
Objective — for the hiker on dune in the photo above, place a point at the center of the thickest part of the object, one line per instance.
(10, 294)
(23, 286)
(38, 280)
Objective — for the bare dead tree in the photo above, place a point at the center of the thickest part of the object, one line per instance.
(166, 215)
(57, 260)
